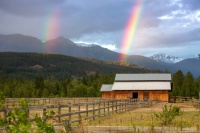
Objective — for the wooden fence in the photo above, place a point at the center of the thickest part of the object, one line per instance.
(73, 112)
(180, 99)
(14, 102)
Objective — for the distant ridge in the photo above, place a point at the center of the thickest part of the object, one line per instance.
(61, 45)
(29, 65)
(165, 58)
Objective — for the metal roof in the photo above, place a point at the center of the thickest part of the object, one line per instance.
(106, 87)
(143, 77)
(141, 86)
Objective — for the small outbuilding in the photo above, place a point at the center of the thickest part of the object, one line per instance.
(152, 86)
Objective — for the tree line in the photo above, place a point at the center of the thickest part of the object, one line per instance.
(185, 85)
(88, 85)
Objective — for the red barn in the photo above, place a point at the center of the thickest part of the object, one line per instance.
(141, 86)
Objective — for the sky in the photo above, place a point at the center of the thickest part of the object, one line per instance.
(161, 26)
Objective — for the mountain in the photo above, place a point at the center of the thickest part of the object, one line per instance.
(61, 45)
(164, 58)
(20, 43)
(29, 65)
(147, 62)
(188, 65)
(84, 45)
(64, 46)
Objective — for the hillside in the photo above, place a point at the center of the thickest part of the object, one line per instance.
(61, 45)
(188, 65)
(28, 65)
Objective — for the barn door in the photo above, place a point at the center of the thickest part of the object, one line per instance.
(135, 95)
(146, 95)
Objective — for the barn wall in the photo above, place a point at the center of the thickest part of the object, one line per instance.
(152, 95)
(107, 95)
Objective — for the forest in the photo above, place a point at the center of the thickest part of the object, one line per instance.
(29, 65)
(88, 85)
(53, 75)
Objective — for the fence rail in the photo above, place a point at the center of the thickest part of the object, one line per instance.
(13, 102)
(73, 112)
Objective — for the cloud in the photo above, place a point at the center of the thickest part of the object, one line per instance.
(163, 23)
(191, 4)
(29, 8)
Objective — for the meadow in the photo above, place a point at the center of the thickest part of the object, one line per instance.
(101, 115)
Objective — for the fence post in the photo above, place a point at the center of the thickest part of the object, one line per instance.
(79, 114)
(93, 104)
(86, 110)
(104, 107)
(44, 113)
(70, 110)
(99, 108)
(125, 105)
(59, 112)
(74, 100)
(116, 106)
(121, 106)
(108, 107)
(112, 106)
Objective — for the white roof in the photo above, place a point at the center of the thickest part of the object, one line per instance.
(141, 86)
(143, 77)
(106, 87)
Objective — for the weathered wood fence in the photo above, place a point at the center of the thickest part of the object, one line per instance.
(73, 112)
(14, 102)
(180, 99)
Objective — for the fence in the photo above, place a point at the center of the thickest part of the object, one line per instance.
(76, 112)
(14, 102)
(180, 99)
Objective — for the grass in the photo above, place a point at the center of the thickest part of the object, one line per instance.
(131, 118)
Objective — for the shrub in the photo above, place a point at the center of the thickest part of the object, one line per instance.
(17, 121)
(168, 114)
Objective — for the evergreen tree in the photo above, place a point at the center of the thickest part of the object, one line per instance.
(45, 93)
(197, 87)
(91, 92)
(188, 85)
(39, 85)
(177, 81)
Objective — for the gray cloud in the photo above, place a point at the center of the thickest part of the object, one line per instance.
(105, 20)
(29, 8)
(191, 4)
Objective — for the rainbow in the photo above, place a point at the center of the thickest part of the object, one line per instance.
(130, 30)
(51, 29)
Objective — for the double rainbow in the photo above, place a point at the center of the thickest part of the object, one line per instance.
(130, 30)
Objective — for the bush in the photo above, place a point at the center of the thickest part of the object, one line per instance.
(17, 120)
(168, 114)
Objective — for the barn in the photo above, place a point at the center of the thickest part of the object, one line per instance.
(150, 86)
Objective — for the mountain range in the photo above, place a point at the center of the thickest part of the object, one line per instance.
(61, 45)
(165, 58)
(29, 65)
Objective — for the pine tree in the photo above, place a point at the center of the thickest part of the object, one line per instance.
(177, 81)
(197, 87)
(188, 85)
